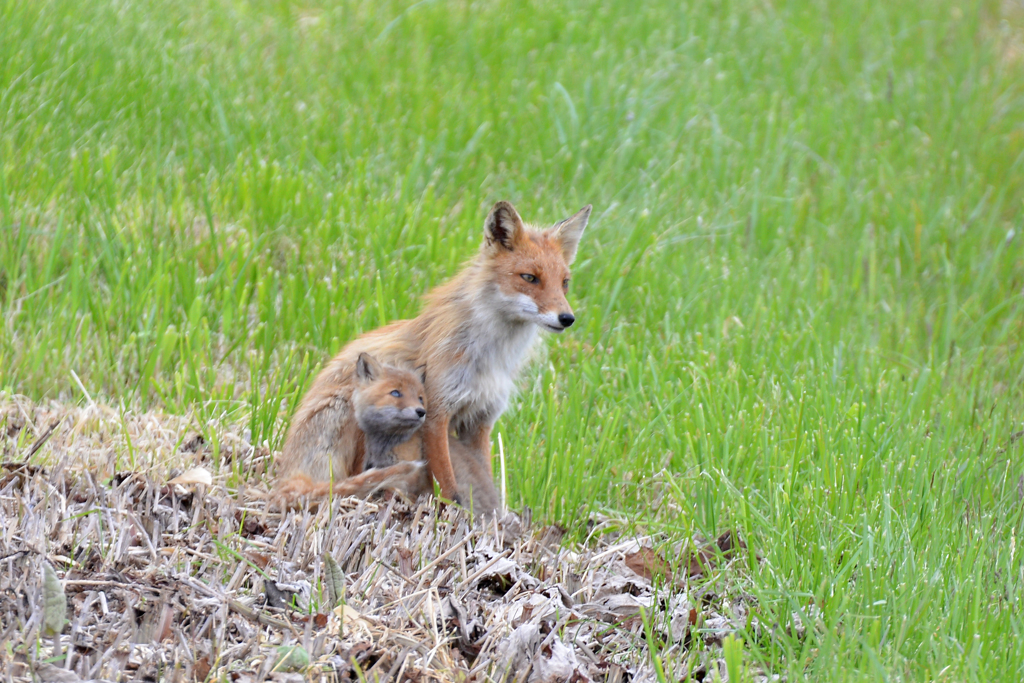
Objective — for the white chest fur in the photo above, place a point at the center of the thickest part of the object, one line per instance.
(479, 388)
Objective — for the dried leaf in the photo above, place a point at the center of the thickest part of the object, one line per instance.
(351, 615)
(201, 670)
(196, 475)
(48, 673)
(561, 665)
(334, 579)
(729, 541)
(261, 560)
(648, 564)
(55, 604)
(700, 562)
(163, 628)
(405, 561)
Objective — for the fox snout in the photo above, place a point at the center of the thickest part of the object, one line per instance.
(556, 322)
(409, 415)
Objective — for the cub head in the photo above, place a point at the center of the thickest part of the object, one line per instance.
(388, 400)
(529, 268)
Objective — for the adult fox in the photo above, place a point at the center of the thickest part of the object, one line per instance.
(473, 336)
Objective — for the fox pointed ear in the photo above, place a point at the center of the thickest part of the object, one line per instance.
(503, 226)
(422, 372)
(569, 232)
(367, 367)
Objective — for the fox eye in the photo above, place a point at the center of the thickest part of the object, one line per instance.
(529, 278)
(421, 400)
(565, 283)
(396, 393)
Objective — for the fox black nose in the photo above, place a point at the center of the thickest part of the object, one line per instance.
(420, 412)
(567, 319)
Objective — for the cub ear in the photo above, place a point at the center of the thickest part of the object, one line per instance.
(503, 226)
(422, 372)
(367, 367)
(569, 232)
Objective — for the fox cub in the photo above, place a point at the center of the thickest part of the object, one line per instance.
(346, 457)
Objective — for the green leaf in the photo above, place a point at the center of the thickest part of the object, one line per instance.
(334, 579)
(291, 658)
(55, 605)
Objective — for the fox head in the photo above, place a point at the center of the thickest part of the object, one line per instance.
(388, 400)
(529, 269)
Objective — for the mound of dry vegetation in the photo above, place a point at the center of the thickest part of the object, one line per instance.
(111, 570)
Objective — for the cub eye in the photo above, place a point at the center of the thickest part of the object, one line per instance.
(396, 393)
(421, 400)
(565, 283)
(529, 278)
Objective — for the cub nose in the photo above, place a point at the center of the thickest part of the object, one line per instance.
(567, 319)
(420, 412)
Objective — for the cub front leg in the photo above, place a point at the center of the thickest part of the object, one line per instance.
(410, 478)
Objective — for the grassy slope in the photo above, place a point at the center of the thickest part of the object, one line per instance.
(799, 297)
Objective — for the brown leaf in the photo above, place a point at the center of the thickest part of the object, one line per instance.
(405, 561)
(729, 541)
(648, 564)
(250, 526)
(163, 627)
(259, 559)
(701, 562)
(201, 670)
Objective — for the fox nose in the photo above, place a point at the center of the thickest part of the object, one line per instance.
(567, 319)
(420, 412)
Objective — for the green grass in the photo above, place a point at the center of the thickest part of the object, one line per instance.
(800, 299)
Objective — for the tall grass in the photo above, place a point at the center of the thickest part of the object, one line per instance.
(800, 300)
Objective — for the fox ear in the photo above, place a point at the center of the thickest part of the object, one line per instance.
(422, 372)
(503, 226)
(367, 367)
(569, 232)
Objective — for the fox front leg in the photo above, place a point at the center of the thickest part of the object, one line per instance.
(480, 442)
(435, 445)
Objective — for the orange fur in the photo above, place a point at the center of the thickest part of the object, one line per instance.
(473, 335)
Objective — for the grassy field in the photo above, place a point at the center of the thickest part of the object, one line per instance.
(800, 299)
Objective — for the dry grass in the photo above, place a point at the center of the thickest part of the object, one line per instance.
(172, 582)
